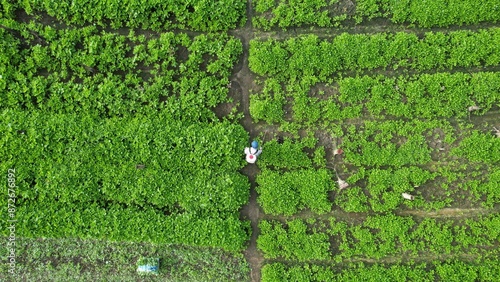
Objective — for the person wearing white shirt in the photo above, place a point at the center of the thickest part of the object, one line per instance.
(252, 152)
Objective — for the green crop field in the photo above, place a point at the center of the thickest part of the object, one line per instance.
(123, 128)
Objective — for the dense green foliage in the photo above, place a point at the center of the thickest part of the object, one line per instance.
(294, 242)
(98, 160)
(308, 59)
(116, 223)
(268, 105)
(199, 15)
(432, 13)
(287, 193)
(486, 189)
(114, 136)
(389, 143)
(450, 270)
(480, 147)
(441, 95)
(287, 155)
(292, 179)
(320, 82)
(328, 13)
(295, 68)
(405, 109)
(109, 129)
(379, 236)
(427, 95)
(386, 159)
(107, 75)
(78, 177)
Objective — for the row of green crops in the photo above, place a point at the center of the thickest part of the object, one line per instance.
(116, 223)
(410, 110)
(322, 13)
(387, 158)
(426, 95)
(223, 15)
(291, 180)
(200, 15)
(113, 136)
(149, 169)
(99, 159)
(449, 270)
(105, 74)
(432, 13)
(308, 84)
(288, 192)
(439, 95)
(308, 59)
(402, 144)
(389, 143)
(286, 14)
(73, 259)
(480, 147)
(303, 72)
(382, 160)
(378, 237)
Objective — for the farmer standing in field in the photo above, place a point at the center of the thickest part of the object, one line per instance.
(252, 152)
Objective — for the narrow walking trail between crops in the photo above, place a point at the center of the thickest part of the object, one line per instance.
(243, 78)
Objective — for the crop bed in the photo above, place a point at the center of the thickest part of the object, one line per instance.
(128, 125)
